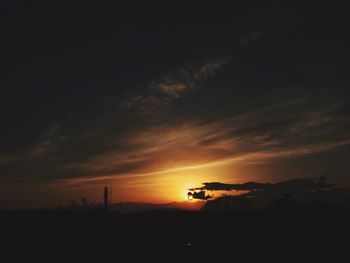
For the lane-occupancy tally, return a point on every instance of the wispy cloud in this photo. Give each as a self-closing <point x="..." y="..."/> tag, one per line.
<point x="45" y="145"/>
<point x="258" y="136"/>
<point x="160" y="93"/>
<point x="6" y="158"/>
<point x="269" y="19"/>
<point x="247" y="138"/>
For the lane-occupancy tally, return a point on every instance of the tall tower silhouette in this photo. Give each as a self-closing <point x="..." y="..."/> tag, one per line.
<point x="106" y="197"/>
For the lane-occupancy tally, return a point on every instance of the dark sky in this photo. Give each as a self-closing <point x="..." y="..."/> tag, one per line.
<point x="157" y="99"/>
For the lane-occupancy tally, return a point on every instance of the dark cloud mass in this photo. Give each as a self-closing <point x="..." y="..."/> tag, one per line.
<point x="292" y="186"/>
<point x="254" y="92"/>
<point x="267" y="194"/>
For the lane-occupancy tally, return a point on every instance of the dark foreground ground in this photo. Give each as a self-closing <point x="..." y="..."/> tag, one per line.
<point x="295" y="233"/>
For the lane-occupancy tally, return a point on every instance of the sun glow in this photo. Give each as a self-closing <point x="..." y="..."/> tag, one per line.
<point x="169" y="185"/>
<point x="189" y="196"/>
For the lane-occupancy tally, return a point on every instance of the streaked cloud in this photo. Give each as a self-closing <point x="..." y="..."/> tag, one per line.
<point x="248" y="138"/>
<point x="160" y="93"/>
<point x="45" y="145"/>
<point x="6" y="158"/>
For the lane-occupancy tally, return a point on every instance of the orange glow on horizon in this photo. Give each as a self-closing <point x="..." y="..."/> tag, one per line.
<point x="166" y="184"/>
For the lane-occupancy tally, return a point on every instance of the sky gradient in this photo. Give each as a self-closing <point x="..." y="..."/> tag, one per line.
<point x="159" y="100"/>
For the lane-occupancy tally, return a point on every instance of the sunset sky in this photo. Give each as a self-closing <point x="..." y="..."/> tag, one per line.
<point x="160" y="100"/>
